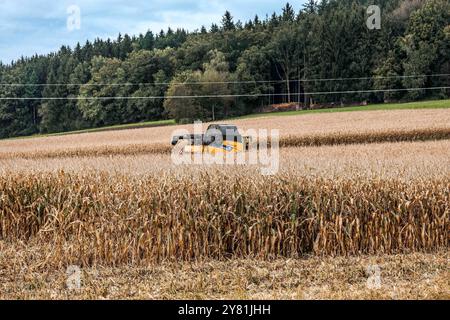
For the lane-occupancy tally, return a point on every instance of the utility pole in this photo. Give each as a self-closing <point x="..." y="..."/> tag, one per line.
<point x="298" y="81"/>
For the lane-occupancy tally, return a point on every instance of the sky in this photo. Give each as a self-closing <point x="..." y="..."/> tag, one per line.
<point x="41" y="26"/>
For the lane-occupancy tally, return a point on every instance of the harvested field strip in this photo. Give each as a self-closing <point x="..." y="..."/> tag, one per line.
<point x="406" y="276"/>
<point x="406" y="161"/>
<point x="117" y="220"/>
<point x="288" y="141"/>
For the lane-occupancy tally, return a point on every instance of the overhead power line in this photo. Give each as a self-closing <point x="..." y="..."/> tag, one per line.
<point x="219" y="96"/>
<point x="218" y="82"/>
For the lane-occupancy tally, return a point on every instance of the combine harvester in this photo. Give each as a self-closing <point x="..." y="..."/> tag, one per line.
<point x="218" y="138"/>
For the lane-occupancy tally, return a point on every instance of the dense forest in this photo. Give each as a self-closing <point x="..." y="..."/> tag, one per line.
<point x="323" y="55"/>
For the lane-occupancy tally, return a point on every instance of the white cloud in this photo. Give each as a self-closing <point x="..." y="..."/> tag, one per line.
<point x="39" y="26"/>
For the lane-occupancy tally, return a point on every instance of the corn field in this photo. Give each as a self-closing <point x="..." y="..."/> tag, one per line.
<point x="317" y="126"/>
<point x="107" y="220"/>
<point x="366" y="183"/>
<point x="338" y="138"/>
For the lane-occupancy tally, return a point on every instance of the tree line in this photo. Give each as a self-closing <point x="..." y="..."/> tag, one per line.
<point x="308" y="58"/>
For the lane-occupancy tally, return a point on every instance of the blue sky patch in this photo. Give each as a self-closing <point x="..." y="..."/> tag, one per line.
<point x="40" y="26"/>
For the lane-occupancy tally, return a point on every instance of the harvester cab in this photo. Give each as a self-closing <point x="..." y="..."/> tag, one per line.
<point x="218" y="138"/>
